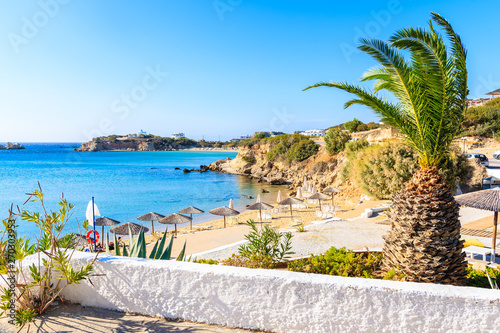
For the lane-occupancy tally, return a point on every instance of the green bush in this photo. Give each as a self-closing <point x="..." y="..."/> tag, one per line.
<point x="207" y="261"/>
<point x="477" y="278"/>
<point x="260" y="135"/>
<point x="381" y="170"/>
<point x="483" y="120"/>
<point x="248" y="158"/>
<point x="339" y="262"/>
<point x="335" y="140"/>
<point x="352" y="147"/>
<point x="352" y="125"/>
<point x="291" y="148"/>
<point x="265" y="249"/>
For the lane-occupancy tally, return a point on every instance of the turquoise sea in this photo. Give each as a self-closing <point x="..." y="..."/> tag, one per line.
<point x="124" y="185"/>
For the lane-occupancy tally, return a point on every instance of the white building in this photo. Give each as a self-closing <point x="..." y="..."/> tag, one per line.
<point x="178" y="135"/>
<point x="314" y="132"/>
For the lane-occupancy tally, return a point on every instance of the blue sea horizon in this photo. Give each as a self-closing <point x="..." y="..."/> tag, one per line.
<point x="124" y="185"/>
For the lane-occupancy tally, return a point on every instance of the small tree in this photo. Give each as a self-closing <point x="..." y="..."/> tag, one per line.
<point x="352" y="126"/>
<point x="335" y="140"/>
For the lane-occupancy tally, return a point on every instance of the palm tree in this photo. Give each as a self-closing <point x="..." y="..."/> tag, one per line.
<point x="430" y="90"/>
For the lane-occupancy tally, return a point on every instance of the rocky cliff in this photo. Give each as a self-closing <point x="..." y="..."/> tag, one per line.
<point x="322" y="169"/>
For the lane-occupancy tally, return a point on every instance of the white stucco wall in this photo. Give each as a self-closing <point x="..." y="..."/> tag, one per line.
<point x="281" y="301"/>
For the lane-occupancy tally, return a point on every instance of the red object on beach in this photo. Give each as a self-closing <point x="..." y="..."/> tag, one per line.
<point x="96" y="237"/>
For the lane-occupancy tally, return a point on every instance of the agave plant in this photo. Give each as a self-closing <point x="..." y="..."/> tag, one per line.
<point x="138" y="247"/>
<point x="430" y="90"/>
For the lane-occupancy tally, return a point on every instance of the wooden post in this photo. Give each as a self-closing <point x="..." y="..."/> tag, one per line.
<point x="494" y="239"/>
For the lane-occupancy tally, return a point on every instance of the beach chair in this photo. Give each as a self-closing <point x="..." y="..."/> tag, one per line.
<point x="234" y="220"/>
<point x="294" y="222"/>
<point x="267" y="216"/>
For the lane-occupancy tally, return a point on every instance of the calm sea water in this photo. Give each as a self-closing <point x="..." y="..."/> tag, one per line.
<point x="124" y="185"/>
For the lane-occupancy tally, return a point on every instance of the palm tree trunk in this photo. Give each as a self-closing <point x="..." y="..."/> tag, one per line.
<point x="424" y="241"/>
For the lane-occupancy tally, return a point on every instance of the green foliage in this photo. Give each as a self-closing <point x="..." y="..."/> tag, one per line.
<point x="381" y="170"/>
<point x="352" y="147"/>
<point x="291" y="148"/>
<point x="394" y="275"/>
<point x="428" y="81"/>
<point x="207" y="261"/>
<point x="352" y="126"/>
<point x="335" y="140"/>
<point x="266" y="248"/>
<point x="340" y="262"/>
<point x="260" y="135"/>
<point x="42" y="285"/>
<point x="482" y="120"/>
<point x="483" y="279"/>
<point x="248" y="158"/>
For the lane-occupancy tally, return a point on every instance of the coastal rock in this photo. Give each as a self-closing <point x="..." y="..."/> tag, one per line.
<point x="177" y="168"/>
<point x="186" y="170"/>
<point x="146" y="146"/>
<point x="265" y="191"/>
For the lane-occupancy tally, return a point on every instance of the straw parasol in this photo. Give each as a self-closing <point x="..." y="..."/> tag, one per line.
<point x="331" y="190"/>
<point x="231" y="204"/>
<point x="280" y="197"/>
<point x="191" y="210"/>
<point x="299" y="192"/>
<point x="486" y="200"/>
<point x="122" y="229"/>
<point x="224" y="211"/>
<point x="175" y="219"/>
<point x="105" y="221"/>
<point x="290" y="201"/>
<point x="319" y="196"/>
<point x="151" y="217"/>
<point x="260" y="206"/>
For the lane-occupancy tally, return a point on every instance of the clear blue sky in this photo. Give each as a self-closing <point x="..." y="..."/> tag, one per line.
<point x="71" y="70"/>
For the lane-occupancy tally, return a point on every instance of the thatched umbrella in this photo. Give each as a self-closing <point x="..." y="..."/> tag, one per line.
<point x="331" y="190"/>
<point x="105" y="221"/>
<point x="191" y="210"/>
<point x="175" y="219"/>
<point x="224" y="211"/>
<point x="122" y="229"/>
<point x="319" y="196"/>
<point x="290" y="201"/>
<point x="151" y="217"/>
<point x="486" y="200"/>
<point x="260" y="206"/>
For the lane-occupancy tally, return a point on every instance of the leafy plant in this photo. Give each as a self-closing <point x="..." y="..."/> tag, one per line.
<point x="352" y="126"/>
<point x="489" y="278"/>
<point x="335" y="140"/>
<point x="290" y="148"/>
<point x="248" y="158"/>
<point x="35" y="286"/>
<point x="207" y="261"/>
<point x="301" y="228"/>
<point x="340" y="262"/>
<point x="266" y="248"/>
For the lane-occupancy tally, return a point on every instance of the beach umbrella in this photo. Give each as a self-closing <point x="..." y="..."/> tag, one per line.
<point x="486" y="200"/>
<point x="151" y="217"/>
<point x="280" y="197"/>
<point x="314" y="190"/>
<point x="309" y="187"/>
<point x="258" y="198"/>
<point x="105" y="221"/>
<point x="191" y="210"/>
<point x="319" y="196"/>
<point x="175" y="219"/>
<point x="290" y="201"/>
<point x="122" y="229"/>
<point x="331" y="190"/>
<point x="231" y="204"/>
<point x="224" y="211"/>
<point x="260" y="206"/>
<point x="299" y="192"/>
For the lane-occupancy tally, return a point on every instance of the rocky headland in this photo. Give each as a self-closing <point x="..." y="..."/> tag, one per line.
<point x="11" y="145"/>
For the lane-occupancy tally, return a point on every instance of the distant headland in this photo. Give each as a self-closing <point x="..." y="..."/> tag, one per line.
<point x="11" y="145"/>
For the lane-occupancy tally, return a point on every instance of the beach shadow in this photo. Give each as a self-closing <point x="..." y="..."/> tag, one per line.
<point x="74" y="318"/>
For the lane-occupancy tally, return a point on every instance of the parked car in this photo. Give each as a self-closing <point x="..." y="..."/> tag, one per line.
<point x="482" y="158"/>
<point x="496" y="155"/>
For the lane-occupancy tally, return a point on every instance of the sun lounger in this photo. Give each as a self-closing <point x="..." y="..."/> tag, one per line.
<point x="472" y="250"/>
